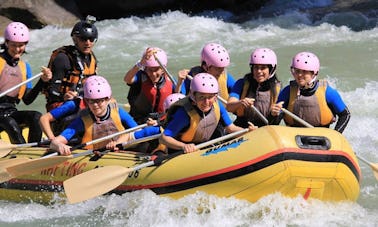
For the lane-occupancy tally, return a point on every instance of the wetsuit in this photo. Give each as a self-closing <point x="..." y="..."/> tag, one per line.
<point x="314" y="105"/>
<point x="12" y="120"/>
<point x="265" y="94"/>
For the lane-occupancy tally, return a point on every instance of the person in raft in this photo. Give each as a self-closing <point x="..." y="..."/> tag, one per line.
<point x="193" y="119"/>
<point x="70" y="66"/>
<point x="214" y="60"/>
<point x="149" y="85"/>
<point x="101" y="118"/>
<point x="311" y="99"/>
<point x="155" y="127"/>
<point x="14" y="71"/>
<point x="259" y="88"/>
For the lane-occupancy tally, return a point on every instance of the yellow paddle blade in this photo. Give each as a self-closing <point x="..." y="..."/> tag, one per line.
<point x="374" y="167"/>
<point x="5" y="148"/>
<point x="95" y="182"/>
<point x="36" y="165"/>
<point x="13" y="161"/>
<point x="4" y="174"/>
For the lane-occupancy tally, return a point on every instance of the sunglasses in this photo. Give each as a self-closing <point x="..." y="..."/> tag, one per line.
<point x="98" y="101"/>
<point x="84" y="39"/>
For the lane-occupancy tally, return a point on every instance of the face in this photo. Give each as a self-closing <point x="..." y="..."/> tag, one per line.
<point x="260" y="73"/>
<point x="302" y="77"/>
<point x="205" y="101"/>
<point x="215" y="71"/>
<point x="15" y="49"/>
<point x="98" y="106"/>
<point x="154" y="73"/>
<point x="84" y="45"/>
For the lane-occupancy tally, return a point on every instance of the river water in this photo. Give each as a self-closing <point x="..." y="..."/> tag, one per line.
<point x="349" y="60"/>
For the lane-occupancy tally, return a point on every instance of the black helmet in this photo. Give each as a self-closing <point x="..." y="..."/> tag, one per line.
<point x="85" y="29"/>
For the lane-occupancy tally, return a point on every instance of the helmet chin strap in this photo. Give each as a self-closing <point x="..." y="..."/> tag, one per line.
<point x="273" y="73"/>
<point x="311" y="83"/>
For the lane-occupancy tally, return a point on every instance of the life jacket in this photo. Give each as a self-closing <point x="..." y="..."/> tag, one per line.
<point x="201" y="128"/>
<point x="223" y="89"/>
<point x="313" y="108"/>
<point x="150" y="98"/>
<point x="263" y="101"/>
<point x="74" y="79"/>
<point x="95" y="130"/>
<point x="11" y="76"/>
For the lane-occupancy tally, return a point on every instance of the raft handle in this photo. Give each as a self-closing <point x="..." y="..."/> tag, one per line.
<point x="313" y="142"/>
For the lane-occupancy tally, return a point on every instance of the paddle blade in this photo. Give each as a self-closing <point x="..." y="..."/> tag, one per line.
<point x="4" y="174"/>
<point x="5" y="148"/>
<point x="374" y="167"/>
<point x="94" y="183"/>
<point x="35" y="165"/>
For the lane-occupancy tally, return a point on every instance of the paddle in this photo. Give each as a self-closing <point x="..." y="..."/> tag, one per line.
<point x="20" y="84"/>
<point x="98" y="181"/>
<point x="34" y="165"/>
<point x="6" y="148"/>
<point x="165" y="69"/>
<point x="373" y="166"/>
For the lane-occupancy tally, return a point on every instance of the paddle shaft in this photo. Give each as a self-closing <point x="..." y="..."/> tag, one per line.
<point x="5" y="149"/>
<point x="20" y="84"/>
<point x="165" y="69"/>
<point x="298" y="119"/>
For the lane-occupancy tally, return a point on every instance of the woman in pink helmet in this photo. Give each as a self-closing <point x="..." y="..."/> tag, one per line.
<point x="311" y="99"/>
<point x="149" y="85"/>
<point x="214" y="60"/>
<point x="195" y="118"/>
<point x="13" y="71"/>
<point x="101" y="118"/>
<point x="259" y="88"/>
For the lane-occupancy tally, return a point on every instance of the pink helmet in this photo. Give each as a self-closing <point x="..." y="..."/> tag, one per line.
<point x="17" y="32"/>
<point x="204" y="83"/>
<point x="263" y="56"/>
<point x="172" y="98"/>
<point x="97" y="87"/>
<point x="161" y="55"/>
<point x="306" y="61"/>
<point x="215" y="55"/>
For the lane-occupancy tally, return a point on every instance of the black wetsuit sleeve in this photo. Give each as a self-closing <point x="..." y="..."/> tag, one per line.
<point x="343" y="119"/>
<point x="31" y="94"/>
<point x="59" y="67"/>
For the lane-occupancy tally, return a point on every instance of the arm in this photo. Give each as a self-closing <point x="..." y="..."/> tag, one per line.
<point x="59" y="143"/>
<point x="338" y="107"/>
<point x="182" y="74"/>
<point x="59" y="67"/>
<point x="31" y="94"/>
<point x="276" y="115"/>
<point x="234" y="102"/>
<point x="44" y="122"/>
<point x="230" y="82"/>
<point x="126" y="119"/>
<point x="180" y="121"/>
<point x="129" y="77"/>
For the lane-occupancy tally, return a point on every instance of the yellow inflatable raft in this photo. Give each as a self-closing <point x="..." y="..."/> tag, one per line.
<point x="313" y="162"/>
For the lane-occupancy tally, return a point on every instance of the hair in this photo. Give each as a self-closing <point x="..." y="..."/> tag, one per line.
<point x="271" y="82"/>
